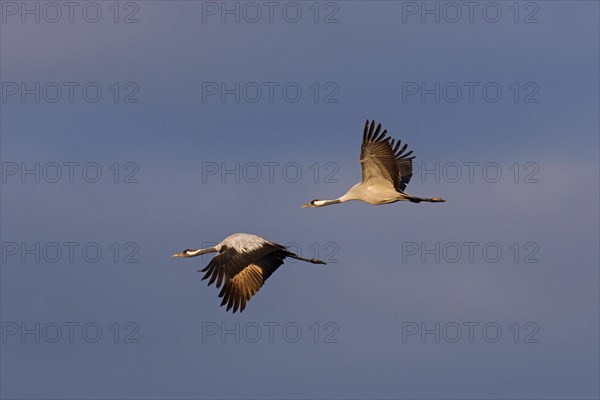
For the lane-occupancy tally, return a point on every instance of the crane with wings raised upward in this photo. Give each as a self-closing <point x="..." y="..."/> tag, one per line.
<point x="386" y="170"/>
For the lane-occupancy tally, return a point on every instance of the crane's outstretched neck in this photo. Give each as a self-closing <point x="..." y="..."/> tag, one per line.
<point x="321" y="203"/>
<point x="195" y="253"/>
<point x="350" y="195"/>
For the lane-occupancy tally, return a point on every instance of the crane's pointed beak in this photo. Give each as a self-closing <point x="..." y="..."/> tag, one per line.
<point x="306" y="205"/>
<point x="177" y="255"/>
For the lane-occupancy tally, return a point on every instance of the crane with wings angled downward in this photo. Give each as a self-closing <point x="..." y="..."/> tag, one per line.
<point x="242" y="265"/>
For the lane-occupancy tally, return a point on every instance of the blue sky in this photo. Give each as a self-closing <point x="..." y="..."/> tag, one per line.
<point x="383" y="277"/>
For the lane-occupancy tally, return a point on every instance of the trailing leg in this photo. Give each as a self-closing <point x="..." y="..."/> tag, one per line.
<point x="415" y="199"/>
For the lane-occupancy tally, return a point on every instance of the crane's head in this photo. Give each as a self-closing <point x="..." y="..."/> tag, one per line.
<point x="184" y="254"/>
<point x="314" y="203"/>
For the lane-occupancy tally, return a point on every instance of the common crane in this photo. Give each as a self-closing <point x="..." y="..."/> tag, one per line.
<point x="386" y="170"/>
<point x="243" y="264"/>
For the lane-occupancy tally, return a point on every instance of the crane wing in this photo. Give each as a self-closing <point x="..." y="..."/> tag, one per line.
<point x="243" y="271"/>
<point x="232" y="260"/>
<point x="240" y="289"/>
<point x="382" y="160"/>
